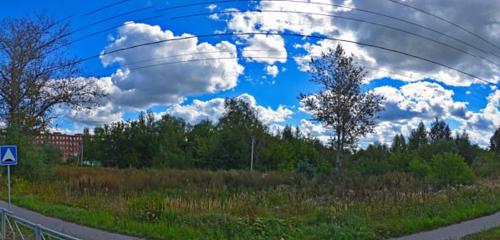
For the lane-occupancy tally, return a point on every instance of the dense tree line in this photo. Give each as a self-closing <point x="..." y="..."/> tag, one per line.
<point x="431" y="153"/>
<point x="171" y="142"/>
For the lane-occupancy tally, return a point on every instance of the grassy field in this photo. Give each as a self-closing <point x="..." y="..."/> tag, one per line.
<point x="199" y="204"/>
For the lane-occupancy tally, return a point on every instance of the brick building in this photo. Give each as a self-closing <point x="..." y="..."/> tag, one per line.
<point x="70" y="145"/>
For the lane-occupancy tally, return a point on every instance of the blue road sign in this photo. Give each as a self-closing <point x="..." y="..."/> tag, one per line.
<point x="8" y="155"/>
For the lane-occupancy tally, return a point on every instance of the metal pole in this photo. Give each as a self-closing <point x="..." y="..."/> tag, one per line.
<point x="8" y="176"/>
<point x="251" y="155"/>
<point x="38" y="232"/>
<point x="4" y="225"/>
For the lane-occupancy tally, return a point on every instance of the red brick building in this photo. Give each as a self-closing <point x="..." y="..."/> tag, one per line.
<point x="70" y="145"/>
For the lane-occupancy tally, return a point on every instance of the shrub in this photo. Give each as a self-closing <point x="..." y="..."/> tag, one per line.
<point x="419" y="167"/>
<point x="486" y="164"/>
<point x="306" y="168"/>
<point x="450" y="169"/>
<point x="31" y="165"/>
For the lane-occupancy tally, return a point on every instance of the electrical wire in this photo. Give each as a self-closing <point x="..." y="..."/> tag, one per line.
<point x="334" y="5"/>
<point x="251" y="58"/>
<point x="446" y="21"/>
<point x="105" y="7"/>
<point x="344" y="18"/>
<point x="290" y="35"/>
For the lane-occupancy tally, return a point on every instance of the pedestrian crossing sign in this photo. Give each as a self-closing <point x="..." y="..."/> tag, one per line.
<point x="8" y="155"/>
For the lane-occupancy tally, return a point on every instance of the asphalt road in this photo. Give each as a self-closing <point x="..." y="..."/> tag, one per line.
<point x="457" y="231"/>
<point x="68" y="228"/>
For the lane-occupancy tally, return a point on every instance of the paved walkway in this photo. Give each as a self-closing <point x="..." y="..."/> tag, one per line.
<point x="459" y="230"/>
<point x="68" y="228"/>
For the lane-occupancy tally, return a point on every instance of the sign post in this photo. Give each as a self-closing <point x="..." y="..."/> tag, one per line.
<point x="8" y="157"/>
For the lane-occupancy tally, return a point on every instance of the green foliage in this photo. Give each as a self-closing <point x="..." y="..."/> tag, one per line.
<point x="487" y="164"/>
<point x="465" y="148"/>
<point x="419" y="167"/>
<point x="52" y="154"/>
<point x="418" y="137"/>
<point x="495" y="141"/>
<point x="201" y="204"/>
<point x="439" y="131"/>
<point x="32" y="161"/>
<point x="450" y="169"/>
<point x="439" y="146"/>
<point x="172" y="143"/>
<point x="398" y="143"/>
<point x="306" y="168"/>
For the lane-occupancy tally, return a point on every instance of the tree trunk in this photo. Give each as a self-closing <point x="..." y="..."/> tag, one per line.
<point x="338" y="162"/>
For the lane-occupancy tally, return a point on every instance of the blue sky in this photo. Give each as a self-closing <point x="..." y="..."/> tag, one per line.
<point x="415" y="90"/>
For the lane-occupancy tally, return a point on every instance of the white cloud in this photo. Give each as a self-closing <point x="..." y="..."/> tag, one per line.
<point x="199" y="110"/>
<point x="167" y="84"/>
<point x="211" y="7"/>
<point x="379" y="62"/>
<point x="265" y="48"/>
<point x="420" y="99"/>
<point x="483" y="124"/>
<point x="272" y="70"/>
<point x="213" y="109"/>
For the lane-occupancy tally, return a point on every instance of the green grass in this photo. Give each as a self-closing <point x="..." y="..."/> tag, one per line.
<point x="492" y="234"/>
<point x="195" y="204"/>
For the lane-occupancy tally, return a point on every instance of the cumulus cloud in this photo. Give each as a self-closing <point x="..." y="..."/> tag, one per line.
<point x="144" y="83"/>
<point x="483" y="124"/>
<point x="214" y="109"/>
<point x="160" y="74"/>
<point x="198" y="110"/>
<point x="420" y="99"/>
<point x="272" y="70"/>
<point x="481" y="18"/>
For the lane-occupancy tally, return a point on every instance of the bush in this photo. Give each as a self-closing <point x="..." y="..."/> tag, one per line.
<point x="31" y="165"/>
<point x="486" y="164"/>
<point x="450" y="169"/>
<point x="306" y="168"/>
<point x="419" y="167"/>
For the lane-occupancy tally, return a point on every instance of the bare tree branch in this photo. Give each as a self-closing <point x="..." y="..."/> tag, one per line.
<point x="36" y="74"/>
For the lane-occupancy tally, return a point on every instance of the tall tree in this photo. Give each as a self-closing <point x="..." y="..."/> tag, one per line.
<point x="418" y="137"/>
<point x="465" y="148"/>
<point x="340" y="104"/>
<point x="237" y="128"/>
<point x="36" y="74"/>
<point x="398" y="143"/>
<point x="439" y="130"/>
<point x="495" y="141"/>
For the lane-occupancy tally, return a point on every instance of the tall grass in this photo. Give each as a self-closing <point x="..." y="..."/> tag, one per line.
<point x="200" y="204"/>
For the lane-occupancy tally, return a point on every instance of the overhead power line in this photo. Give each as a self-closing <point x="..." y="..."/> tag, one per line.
<point x="159" y="64"/>
<point x="105" y="7"/>
<point x="180" y="6"/>
<point x="344" y="18"/>
<point x="286" y="34"/>
<point x="114" y="27"/>
<point x="92" y="11"/>
<point x="446" y="21"/>
<point x="109" y="18"/>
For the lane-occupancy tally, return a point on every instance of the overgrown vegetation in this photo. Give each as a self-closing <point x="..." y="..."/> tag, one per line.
<point x="235" y="204"/>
